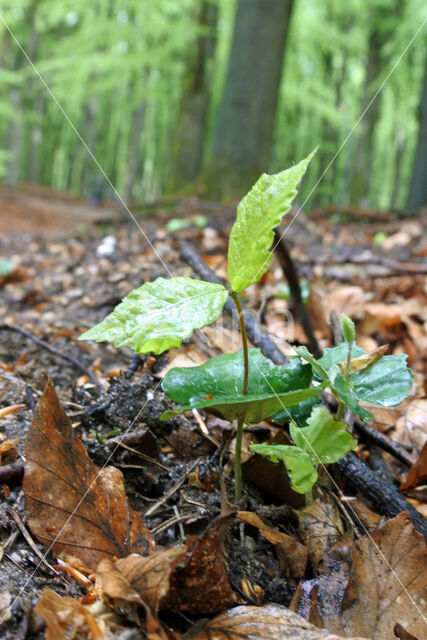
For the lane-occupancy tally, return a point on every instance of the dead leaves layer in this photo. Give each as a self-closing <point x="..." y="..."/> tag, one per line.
<point x="72" y="505"/>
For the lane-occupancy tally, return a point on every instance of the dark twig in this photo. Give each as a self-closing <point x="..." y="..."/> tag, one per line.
<point x="384" y="442"/>
<point x="298" y="306"/>
<point x="11" y="473"/>
<point x="30" y="397"/>
<point x="256" y="335"/>
<point x="384" y="497"/>
<point x="56" y="352"/>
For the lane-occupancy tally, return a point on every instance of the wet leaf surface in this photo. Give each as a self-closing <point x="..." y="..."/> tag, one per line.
<point x="387" y="582"/>
<point x="199" y="584"/>
<point x="72" y="505"/>
<point x="270" y="622"/>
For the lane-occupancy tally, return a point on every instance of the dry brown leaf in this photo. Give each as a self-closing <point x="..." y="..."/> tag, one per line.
<point x="412" y="427"/>
<point x="320" y="527"/>
<point x="417" y="473"/>
<point x="12" y="408"/>
<point x="139" y="579"/>
<point x="66" y="617"/>
<point x="199" y="584"/>
<point x="292" y="555"/>
<point x="71" y="505"/>
<point x="319" y="600"/>
<point x="271" y="622"/>
<point x="387" y="582"/>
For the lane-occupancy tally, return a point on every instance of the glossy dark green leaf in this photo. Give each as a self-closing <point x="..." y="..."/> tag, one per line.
<point x="299" y="466"/>
<point x="160" y="314"/>
<point x="216" y="386"/>
<point x="325" y="439"/>
<point x="299" y="413"/>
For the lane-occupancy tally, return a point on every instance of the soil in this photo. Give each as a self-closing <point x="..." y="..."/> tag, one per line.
<point x="57" y="289"/>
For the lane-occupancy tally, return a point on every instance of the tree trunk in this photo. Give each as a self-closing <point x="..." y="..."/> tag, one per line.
<point x="190" y="135"/>
<point x="134" y="154"/>
<point x="363" y="157"/>
<point x="244" y="130"/>
<point x="417" y="197"/>
<point x="384" y="22"/>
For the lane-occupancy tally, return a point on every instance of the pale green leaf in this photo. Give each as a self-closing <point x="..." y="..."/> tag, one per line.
<point x="298" y="464"/>
<point x="325" y="439"/>
<point x="258" y="214"/>
<point x="160" y="314"/>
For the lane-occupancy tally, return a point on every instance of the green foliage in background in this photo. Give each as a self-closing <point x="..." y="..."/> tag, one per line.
<point x="118" y="68"/>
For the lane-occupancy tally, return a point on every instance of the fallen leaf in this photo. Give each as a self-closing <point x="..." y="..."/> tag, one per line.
<point x="387" y="582"/>
<point x="292" y="555"/>
<point x="320" y="526"/>
<point x="66" y="617"/>
<point x="199" y="584"/>
<point x="401" y="633"/>
<point x="12" y="408"/>
<point x="412" y="427"/>
<point x="417" y="473"/>
<point x="139" y="579"/>
<point x="271" y="622"/>
<point x="72" y="505"/>
<point x="320" y="600"/>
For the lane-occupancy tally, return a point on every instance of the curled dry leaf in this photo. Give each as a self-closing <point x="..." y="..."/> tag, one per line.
<point x="271" y="622"/>
<point x="387" y="582"/>
<point x="292" y="555"/>
<point x="139" y="579"/>
<point x="320" y="526"/>
<point x="66" y="617"/>
<point x="199" y="584"/>
<point x="418" y="472"/>
<point x="72" y="505"/>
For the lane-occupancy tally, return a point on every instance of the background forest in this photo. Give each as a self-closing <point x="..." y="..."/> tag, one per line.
<point x="203" y="95"/>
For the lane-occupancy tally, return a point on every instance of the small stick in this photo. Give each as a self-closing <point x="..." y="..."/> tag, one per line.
<point x="172" y="490"/>
<point x="11" y="473"/>
<point x="291" y="275"/>
<point x="56" y="352"/>
<point x="29" y="539"/>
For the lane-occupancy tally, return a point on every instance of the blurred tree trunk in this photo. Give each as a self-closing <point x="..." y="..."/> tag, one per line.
<point x="383" y="23"/>
<point x="134" y="164"/>
<point x="35" y="139"/>
<point x="243" y="135"/>
<point x="191" y="130"/>
<point x="417" y="197"/>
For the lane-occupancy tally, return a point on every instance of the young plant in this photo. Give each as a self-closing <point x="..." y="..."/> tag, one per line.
<point x="243" y="386"/>
<point x="369" y="377"/>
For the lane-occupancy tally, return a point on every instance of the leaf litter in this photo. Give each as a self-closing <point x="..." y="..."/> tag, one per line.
<point x="347" y="586"/>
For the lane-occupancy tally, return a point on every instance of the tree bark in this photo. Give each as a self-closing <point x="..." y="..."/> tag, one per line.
<point x="243" y="135"/>
<point x="417" y="197"/>
<point x="191" y="130"/>
<point x="384" y="22"/>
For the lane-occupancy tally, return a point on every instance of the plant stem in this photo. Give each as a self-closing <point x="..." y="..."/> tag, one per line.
<point x="340" y="411"/>
<point x="236" y="300"/>
<point x="341" y="406"/>
<point x="238" y="462"/>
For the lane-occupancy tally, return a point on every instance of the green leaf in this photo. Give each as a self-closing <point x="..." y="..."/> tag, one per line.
<point x="160" y="314"/>
<point x="386" y="382"/>
<point x="217" y="387"/>
<point x="331" y="358"/>
<point x="298" y="464"/>
<point x="305" y="354"/>
<point x="260" y="211"/>
<point x="299" y="413"/>
<point x="346" y="394"/>
<point x="325" y="439"/>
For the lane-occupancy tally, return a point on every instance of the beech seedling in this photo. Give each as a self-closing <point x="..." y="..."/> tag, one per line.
<point x="245" y="386"/>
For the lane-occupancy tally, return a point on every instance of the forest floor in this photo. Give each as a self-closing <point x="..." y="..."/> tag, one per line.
<point x="249" y="571"/>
